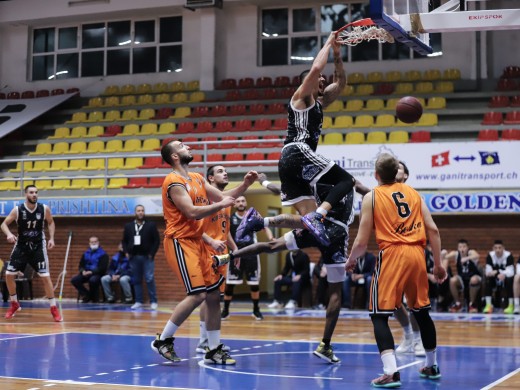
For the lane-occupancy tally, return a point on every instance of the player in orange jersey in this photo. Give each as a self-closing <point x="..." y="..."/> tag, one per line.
<point x="187" y="199"/>
<point x="401" y="221"/>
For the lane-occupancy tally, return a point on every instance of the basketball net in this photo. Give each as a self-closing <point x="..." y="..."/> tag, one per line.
<point x="362" y="30"/>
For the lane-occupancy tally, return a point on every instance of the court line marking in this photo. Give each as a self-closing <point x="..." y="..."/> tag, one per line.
<point x="33" y="335"/>
<point x="505" y="377"/>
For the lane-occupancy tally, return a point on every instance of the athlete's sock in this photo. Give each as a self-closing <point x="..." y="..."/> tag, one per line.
<point x="169" y="330"/>
<point x="322" y="211"/>
<point x="52" y="301"/>
<point x="213" y="338"/>
<point x="431" y="358"/>
<point x="14" y="298"/>
<point x="203" y="332"/>
<point x="389" y="363"/>
<point x="227" y="302"/>
<point x="488" y="300"/>
<point x="255" y="305"/>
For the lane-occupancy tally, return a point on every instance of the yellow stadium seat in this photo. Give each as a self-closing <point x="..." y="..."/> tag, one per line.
<point x="336" y="105"/>
<point x="444" y="87"/>
<point x="151" y="144"/>
<point x="148" y="129"/>
<point x="95" y="147"/>
<point x="79" y="184"/>
<point x="61" y="132"/>
<point x="145" y="99"/>
<point x="77" y="147"/>
<point x="95" y="102"/>
<point x="436" y="103"/>
<point x="166" y="128"/>
<point x="112" y="115"/>
<point x="355" y="137"/>
<point x="162" y="98"/>
<point x="182" y="112"/>
<point x="132" y="145"/>
<point x="375" y="77"/>
<point x="130" y="129"/>
<point x="197" y="97"/>
<point x="376" y="137"/>
<point x="111" y="101"/>
<point x="180" y="97"/>
<point x="40" y="166"/>
<point x="363" y="121"/>
<point x="9" y="185"/>
<point x="342" y="122"/>
<point x="95" y="131"/>
<point x="354" y="105"/>
<point x="327" y="122"/>
<point x="398" y="137"/>
<point x="147" y="113"/>
<point x="364" y="90"/>
<point x="193" y="85"/>
<point x="400" y="123"/>
<point x="424" y="87"/>
<point x="412" y="75"/>
<point x="451" y="74"/>
<point x="95" y="116"/>
<point x="428" y="119"/>
<point x="355" y="78"/>
<point x="61" y="184"/>
<point x="117" y="182"/>
<point x="128" y="89"/>
<point x="95" y="164"/>
<point x="60" y="148"/>
<point x="160" y="87"/>
<point x="133" y="162"/>
<point x="116" y="163"/>
<point x="432" y="75"/>
<point x="403" y="89"/>
<point x="78" y="117"/>
<point x="347" y="91"/>
<point x="114" y="146"/>
<point x="393" y="76"/>
<point x="96" y="184"/>
<point x="44" y="184"/>
<point x="42" y="149"/>
<point x="144" y="88"/>
<point x="375" y="105"/>
<point x="129" y="115"/>
<point x="333" y="139"/>
<point x="78" y="132"/>
<point x="77" y="165"/>
<point x="128" y="100"/>
<point x="384" y="120"/>
<point x="26" y="165"/>
<point x="391" y="104"/>
<point x="111" y="90"/>
<point x="177" y="86"/>
<point x="59" y="165"/>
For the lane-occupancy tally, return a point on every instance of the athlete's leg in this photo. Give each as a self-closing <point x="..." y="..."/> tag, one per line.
<point x="342" y="183"/>
<point x="333" y="309"/>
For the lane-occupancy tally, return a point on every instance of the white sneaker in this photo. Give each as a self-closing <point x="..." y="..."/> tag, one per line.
<point x="406" y="345"/>
<point x="418" y="348"/>
<point x="154" y="306"/>
<point x="136" y="306"/>
<point x="290" y="305"/>
<point x="274" y="305"/>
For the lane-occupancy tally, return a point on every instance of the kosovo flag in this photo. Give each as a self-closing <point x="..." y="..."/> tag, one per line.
<point x="489" y="158"/>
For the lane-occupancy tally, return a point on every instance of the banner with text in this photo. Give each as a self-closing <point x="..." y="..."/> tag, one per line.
<point x="446" y="165"/>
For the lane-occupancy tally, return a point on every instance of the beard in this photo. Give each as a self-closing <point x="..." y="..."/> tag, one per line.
<point x="185" y="160"/>
<point x="32" y="201"/>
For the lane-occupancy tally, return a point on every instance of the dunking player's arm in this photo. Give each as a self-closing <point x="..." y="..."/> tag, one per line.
<point x="333" y="90"/>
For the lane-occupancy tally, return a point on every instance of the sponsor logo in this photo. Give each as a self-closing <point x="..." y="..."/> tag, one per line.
<point x="485" y="17"/>
<point x="441" y="159"/>
<point x="309" y="171"/>
<point x="489" y="158"/>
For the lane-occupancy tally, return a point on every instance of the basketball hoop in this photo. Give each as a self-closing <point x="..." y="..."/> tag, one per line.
<point x="362" y="30"/>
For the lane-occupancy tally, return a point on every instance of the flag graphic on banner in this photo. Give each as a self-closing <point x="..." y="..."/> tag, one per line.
<point x="489" y="158"/>
<point x="441" y="159"/>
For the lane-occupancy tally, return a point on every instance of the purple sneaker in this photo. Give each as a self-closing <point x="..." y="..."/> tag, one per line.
<point x="251" y="222"/>
<point x="313" y="222"/>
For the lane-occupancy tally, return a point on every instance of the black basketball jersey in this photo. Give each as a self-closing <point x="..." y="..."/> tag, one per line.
<point x="235" y="221"/>
<point x="305" y="125"/>
<point x="30" y="223"/>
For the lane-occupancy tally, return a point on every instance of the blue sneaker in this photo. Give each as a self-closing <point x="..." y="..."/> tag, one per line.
<point x="313" y="222"/>
<point x="251" y="222"/>
<point x="432" y="372"/>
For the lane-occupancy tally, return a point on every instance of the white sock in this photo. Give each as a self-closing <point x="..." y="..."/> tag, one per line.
<point x="213" y="338"/>
<point x="169" y="330"/>
<point x="203" y="332"/>
<point x="510" y="301"/>
<point x="14" y="298"/>
<point x="322" y="211"/>
<point x="517" y="302"/>
<point x="266" y="221"/>
<point x="407" y="331"/>
<point x="488" y="300"/>
<point x="417" y="336"/>
<point x="431" y="358"/>
<point x="389" y="363"/>
<point x="52" y="301"/>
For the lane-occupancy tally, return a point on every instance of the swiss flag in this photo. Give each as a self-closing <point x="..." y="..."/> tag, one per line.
<point x="441" y="159"/>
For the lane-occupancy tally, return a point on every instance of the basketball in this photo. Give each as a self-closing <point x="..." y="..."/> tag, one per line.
<point x="409" y="109"/>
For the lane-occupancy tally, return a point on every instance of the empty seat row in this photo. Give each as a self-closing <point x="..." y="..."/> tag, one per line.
<point x="511" y="72"/>
<point x="131" y="100"/>
<point x="130" y="89"/>
<point x="261" y="82"/>
<point x="496" y="118"/>
<point x="36" y="94"/>
<point x="354" y="105"/>
<point x="383" y="120"/>
<point x="113" y="115"/>
<point x="240" y="125"/>
<point x="375" y="137"/>
<point x="65" y="184"/>
<point x="97" y="146"/>
<point x="228" y="142"/>
<point x="259" y="94"/>
<point x="239" y="109"/>
<point x="408" y="76"/>
<point x="504" y="101"/>
<point x="493" y="135"/>
<point x="507" y="85"/>
<point x="425" y="87"/>
<point x="93" y="164"/>
<point x="127" y="130"/>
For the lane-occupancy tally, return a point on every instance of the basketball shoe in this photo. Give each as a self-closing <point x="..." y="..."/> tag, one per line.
<point x="218" y="356"/>
<point x="326" y="353"/>
<point x="432" y="372"/>
<point x="257" y="315"/>
<point x="15" y="306"/>
<point x="251" y="222"/>
<point x="406" y="345"/>
<point x="165" y="348"/>
<point x="488" y="309"/>
<point x="314" y="224"/>
<point x="56" y="314"/>
<point x="203" y="347"/>
<point x="387" y="380"/>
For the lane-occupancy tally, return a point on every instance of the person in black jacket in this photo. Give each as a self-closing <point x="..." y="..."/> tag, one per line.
<point x="92" y="267"/>
<point x="295" y="273"/>
<point x="140" y="243"/>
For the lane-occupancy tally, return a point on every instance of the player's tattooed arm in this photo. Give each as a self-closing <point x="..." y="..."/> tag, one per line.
<point x="286" y="220"/>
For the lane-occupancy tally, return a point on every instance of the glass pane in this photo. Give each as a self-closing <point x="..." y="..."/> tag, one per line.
<point x="93" y="35"/>
<point x="43" y="67"/>
<point x="435" y="43"/>
<point x="359" y="11"/>
<point x="43" y="40"/>
<point x="118" y="62"/>
<point x="67" y="66"/>
<point x="304" y="20"/>
<point x="144" y="31"/>
<point x="171" y="29"/>
<point x="275" y="22"/>
<point x="274" y="51"/>
<point x="144" y="60"/>
<point x="365" y="51"/>
<point x="92" y="63"/>
<point x="333" y="17"/>
<point x="68" y="38"/>
<point x="170" y="58"/>
<point x="395" y="51"/>
<point x="118" y="33"/>
<point x="303" y="50"/>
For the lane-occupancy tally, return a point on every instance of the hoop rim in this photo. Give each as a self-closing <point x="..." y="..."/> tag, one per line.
<point x="356" y="23"/>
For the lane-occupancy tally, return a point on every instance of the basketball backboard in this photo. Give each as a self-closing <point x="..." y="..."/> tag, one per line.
<point x="410" y="21"/>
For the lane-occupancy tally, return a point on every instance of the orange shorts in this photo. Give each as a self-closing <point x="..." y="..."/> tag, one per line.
<point x="400" y="269"/>
<point x="191" y="262"/>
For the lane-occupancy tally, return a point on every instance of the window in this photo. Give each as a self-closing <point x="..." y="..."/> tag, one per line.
<point x="107" y="48"/>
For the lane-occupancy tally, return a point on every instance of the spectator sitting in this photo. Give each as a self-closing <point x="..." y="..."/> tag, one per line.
<point x="362" y="276"/>
<point x="92" y="266"/>
<point x="118" y="271"/>
<point x="295" y="274"/>
<point x="500" y="272"/>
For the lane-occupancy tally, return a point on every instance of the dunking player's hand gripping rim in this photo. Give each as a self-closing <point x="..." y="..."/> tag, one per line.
<point x="362" y="30"/>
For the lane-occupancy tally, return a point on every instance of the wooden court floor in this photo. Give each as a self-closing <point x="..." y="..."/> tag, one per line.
<point x="34" y="356"/>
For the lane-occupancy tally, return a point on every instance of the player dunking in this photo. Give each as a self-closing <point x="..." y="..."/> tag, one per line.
<point x="30" y="247"/>
<point x="300" y="167"/>
<point x="401" y="221"/>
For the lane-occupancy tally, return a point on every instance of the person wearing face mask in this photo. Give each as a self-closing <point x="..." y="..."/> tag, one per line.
<point x="92" y="267"/>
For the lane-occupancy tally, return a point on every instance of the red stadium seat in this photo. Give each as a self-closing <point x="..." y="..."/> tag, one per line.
<point x="384" y="89"/>
<point x="13" y="95"/>
<point x="492" y="118"/>
<point x="286" y="93"/>
<point x="224" y="126"/>
<point x="111" y="131"/>
<point x="280" y="124"/>
<point x="256" y="156"/>
<point x="73" y="90"/>
<point x="228" y="145"/>
<point x="506" y="85"/>
<point x="28" y="95"/>
<point x="256" y="109"/>
<point x="3" y="95"/>
<point x="186" y="127"/>
<point x="163" y="113"/>
<point x="488" y="135"/>
<point x="211" y="145"/>
<point x="155" y="182"/>
<point x="262" y="124"/>
<point x="251" y="94"/>
<point x="228" y="84"/>
<point x="152" y="163"/>
<point x="215" y="157"/>
<point x="246" y="82"/>
<point x="511" y="72"/>
<point x="276" y="108"/>
<point x="234" y="157"/>
<point x="200" y="111"/>
<point x="295" y="81"/>
<point x="218" y="111"/>
<point x="248" y="144"/>
<point x="282" y="81"/>
<point x="269" y="93"/>
<point x="275" y="156"/>
<point x="243" y="125"/>
<point x="192" y="142"/>
<point x="512" y="118"/>
<point x="136" y="182"/>
<point x="515" y="101"/>
<point x="232" y="95"/>
<point x="511" y="135"/>
<point x="277" y="142"/>
<point x="237" y="109"/>
<point x="205" y="127"/>
<point x="42" y="93"/>
<point x="57" y="91"/>
<point x="498" y="101"/>
<point x="420" y="136"/>
<point x="264" y="82"/>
